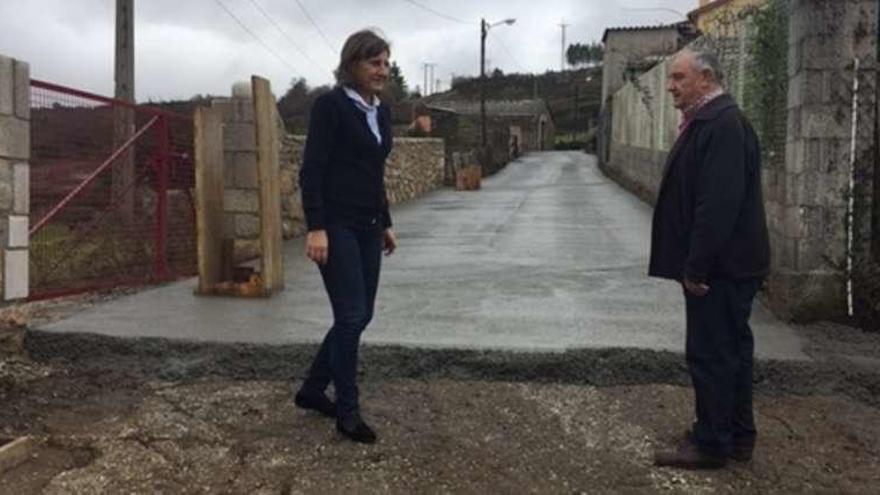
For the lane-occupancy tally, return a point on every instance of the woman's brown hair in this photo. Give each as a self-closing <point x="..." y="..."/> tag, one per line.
<point x="360" y="46"/>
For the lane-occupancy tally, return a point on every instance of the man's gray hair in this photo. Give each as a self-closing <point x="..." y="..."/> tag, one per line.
<point x="706" y="60"/>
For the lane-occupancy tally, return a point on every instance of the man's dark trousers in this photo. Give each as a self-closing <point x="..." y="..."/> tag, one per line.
<point x="351" y="278"/>
<point x="719" y="354"/>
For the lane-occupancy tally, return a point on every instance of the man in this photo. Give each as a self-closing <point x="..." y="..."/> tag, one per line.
<point x="710" y="235"/>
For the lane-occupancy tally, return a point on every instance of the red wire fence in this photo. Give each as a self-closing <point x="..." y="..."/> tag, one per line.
<point x="110" y="194"/>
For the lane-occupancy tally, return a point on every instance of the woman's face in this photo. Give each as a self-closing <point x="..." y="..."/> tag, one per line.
<point x="371" y="75"/>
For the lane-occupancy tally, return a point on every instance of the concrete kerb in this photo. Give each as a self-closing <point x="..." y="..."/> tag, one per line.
<point x="174" y="360"/>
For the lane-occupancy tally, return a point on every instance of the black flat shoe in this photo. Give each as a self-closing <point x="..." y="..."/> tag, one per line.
<point x="315" y="401"/>
<point x="354" y="428"/>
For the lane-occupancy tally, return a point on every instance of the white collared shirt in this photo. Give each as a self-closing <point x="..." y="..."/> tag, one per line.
<point x="370" y="110"/>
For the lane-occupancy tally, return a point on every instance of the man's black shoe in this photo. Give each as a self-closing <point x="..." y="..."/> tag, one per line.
<point x="742" y="448"/>
<point x="316" y="401"/>
<point x="354" y="428"/>
<point x="688" y="457"/>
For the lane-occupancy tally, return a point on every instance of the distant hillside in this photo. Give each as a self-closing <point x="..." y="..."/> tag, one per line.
<point x="558" y="89"/>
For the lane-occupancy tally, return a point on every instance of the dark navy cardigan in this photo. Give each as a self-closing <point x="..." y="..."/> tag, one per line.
<point x="343" y="171"/>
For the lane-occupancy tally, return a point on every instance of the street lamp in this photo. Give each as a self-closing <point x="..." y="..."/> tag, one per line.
<point x="484" y="31"/>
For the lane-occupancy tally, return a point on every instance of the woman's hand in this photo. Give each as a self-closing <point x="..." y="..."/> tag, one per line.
<point x="317" y="246"/>
<point x="389" y="242"/>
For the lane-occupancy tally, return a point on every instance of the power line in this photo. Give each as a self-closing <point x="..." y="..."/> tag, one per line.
<point x="435" y="12"/>
<point x="315" y="24"/>
<point x="286" y="36"/>
<point x="260" y="40"/>
<point x="508" y="52"/>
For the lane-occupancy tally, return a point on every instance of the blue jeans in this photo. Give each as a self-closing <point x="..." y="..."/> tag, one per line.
<point x="719" y="354"/>
<point x="351" y="277"/>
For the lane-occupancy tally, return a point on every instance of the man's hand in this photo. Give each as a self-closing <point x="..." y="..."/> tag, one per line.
<point x="696" y="288"/>
<point x="389" y="242"/>
<point x="317" y="246"/>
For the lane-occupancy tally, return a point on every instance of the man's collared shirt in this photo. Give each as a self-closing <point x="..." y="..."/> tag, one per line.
<point x="370" y="110"/>
<point x="691" y="111"/>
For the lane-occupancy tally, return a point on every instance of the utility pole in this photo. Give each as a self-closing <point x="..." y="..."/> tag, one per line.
<point x="123" y="172"/>
<point x="484" y="29"/>
<point x="563" y="25"/>
<point x="433" y="86"/>
<point x="576" y="98"/>
<point x="428" y="69"/>
<point x="425" y="70"/>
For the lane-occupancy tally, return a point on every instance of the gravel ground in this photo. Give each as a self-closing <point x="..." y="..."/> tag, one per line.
<point x="436" y="436"/>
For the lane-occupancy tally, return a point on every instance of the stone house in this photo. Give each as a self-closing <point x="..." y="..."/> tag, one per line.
<point x="530" y="120"/>
<point x="631" y="51"/>
<point x="513" y="128"/>
<point x="719" y="18"/>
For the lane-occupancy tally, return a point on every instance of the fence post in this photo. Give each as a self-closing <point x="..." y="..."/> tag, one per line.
<point x="14" y="177"/>
<point x="267" y="145"/>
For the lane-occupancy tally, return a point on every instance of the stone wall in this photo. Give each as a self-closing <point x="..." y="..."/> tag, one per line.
<point x="241" y="198"/>
<point x="414" y="167"/>
<point x="445" y="125"/>
<point x="14" y="177"/>
<point x="643" y="130"/>
<point x="293" y="219"/>
<point x="496" y="154"/>
<point x="809" y="224"/>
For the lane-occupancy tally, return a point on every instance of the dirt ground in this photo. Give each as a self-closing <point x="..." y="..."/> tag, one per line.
<point x="148" y="416"/>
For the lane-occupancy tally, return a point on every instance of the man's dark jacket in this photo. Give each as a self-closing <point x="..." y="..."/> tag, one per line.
<point x="343" y="169"/>
<point x="709" y="220"/>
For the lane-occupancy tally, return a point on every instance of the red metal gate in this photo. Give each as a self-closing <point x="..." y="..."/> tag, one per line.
<point x="107" y="208"/>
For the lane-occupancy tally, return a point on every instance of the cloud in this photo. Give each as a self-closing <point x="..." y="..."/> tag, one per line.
<point x="194" y="47"/>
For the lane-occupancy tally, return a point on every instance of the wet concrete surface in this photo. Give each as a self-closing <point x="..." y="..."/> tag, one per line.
<point x="549" y="256"/>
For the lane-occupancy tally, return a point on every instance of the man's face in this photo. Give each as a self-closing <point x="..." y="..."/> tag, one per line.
<point x="685" y="82"/>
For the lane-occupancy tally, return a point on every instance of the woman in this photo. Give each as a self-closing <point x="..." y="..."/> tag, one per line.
<point x="346" y="209"/>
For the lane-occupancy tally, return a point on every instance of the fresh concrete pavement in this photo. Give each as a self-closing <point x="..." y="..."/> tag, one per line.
<point x="550" y="255"/>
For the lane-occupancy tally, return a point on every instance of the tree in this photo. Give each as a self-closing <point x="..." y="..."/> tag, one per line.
<point x="497" y="73"/>
<point x="296" y="103"/>
<point x="590" y="54"/>
<point x="294" y="99"/>
<point x="396" y="83"/>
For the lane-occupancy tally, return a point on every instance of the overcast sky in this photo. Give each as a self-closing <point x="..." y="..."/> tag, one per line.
<point x="188" y="47"/>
